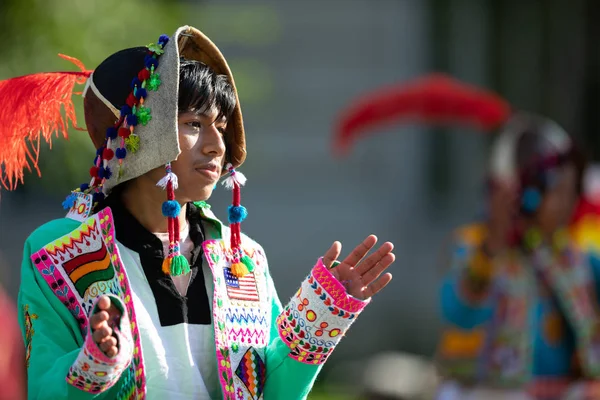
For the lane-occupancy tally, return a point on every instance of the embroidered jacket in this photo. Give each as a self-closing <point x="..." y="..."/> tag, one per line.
<point x="537" y="316"/>
<point x="263" y="350"/>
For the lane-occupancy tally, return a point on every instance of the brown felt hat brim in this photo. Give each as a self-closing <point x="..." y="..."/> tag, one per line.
<point x="194" y="45"/>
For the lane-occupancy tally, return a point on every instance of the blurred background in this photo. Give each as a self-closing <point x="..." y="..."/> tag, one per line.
<point x="296" y="65"/>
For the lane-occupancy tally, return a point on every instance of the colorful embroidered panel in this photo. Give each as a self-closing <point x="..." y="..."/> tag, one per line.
<point x="80" y="267"/>
<point x="252" y="371"/>
<point x="242" y="318"/>
<point x="93" y="371"/>
<point x="82" y="207"/>
<point x="317" y="317"/>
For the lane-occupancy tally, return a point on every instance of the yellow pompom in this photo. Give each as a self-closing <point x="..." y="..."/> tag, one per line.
<point x="239" y="269"/>
<point x="166" y="266"/>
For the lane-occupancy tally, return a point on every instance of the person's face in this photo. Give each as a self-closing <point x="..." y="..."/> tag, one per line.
<point x="559" y="200"/>
<point x="200" y="163"/>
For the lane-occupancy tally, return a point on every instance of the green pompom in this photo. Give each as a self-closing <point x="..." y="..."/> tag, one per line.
<point x="154" y="82"/>
<point x="144" y="115"/>
<point x="179" y="266"/>
<point x="132" y="143"/>
<point x="247" y="261"/>
<point x="155" y="48"/>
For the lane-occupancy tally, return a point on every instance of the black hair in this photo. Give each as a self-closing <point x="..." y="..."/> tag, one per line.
<point x="201" y="89"/>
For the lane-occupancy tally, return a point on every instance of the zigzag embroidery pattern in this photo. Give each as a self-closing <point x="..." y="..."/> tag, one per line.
<point x="68" y="243"/>
<point x="247" y="334"/>
<point x="336" y="290"/>
<point x="246" y="318"/>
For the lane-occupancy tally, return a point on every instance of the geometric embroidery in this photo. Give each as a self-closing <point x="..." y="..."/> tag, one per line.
<point x="79" y="267"/>
<point x="316" y="318"/>
<point x="241" y="327"/>
<point x="252" y="371"/>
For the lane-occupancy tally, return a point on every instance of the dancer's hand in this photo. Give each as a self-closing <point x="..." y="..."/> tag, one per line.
<point x="362" y="278"/>
<point x="103" y="323"/>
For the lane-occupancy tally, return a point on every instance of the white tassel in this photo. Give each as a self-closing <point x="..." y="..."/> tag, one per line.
<point x="229" y="182"/>
<point x="239" y="178"/>
<point x="235" y="177"/>
<point x="170" y="177"/>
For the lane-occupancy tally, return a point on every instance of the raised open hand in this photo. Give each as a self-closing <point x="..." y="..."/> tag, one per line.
<point x="362" y="278"/>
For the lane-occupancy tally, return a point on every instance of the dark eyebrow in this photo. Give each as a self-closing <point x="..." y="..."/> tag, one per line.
<point x="202" y="113"/>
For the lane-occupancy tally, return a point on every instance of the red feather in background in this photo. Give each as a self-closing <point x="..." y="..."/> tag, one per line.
<point x="32" y="109"/>
<point x="433" y="99"/>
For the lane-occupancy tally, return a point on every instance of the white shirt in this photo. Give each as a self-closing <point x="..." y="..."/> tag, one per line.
<point x="180" y="360"/>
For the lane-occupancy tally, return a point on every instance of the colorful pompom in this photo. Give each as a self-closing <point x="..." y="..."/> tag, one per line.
<point x="248" y="262"/>
<point x="124" y="132"/>
<point x="179" y="266"/>
<point x="154" y="82"/>
<point x="237" y="214"/>
<point x="131" y="100"/>
<point x="84" y="186"/>
<point x="149" y="62"/>
<point x="143" y="115"/>
<point x="108" y="154"/>
<point x="104" y="173"/>
<point x="141" y="93"/>
<point x="171" y="208"/>
<point x="94" y="172"/>
<point x="132" y="143"/>
<point x="144" y="74"/>
<point x="125" y="110"/>
<point x="239" y="269"/>
<point x="156" y="49"/>
<point x="163" y="39"/>
<point x="132" y="120"/>
<point x="111" y="133"/>
<point x="135" y="82"/>
<point x="121" y="153"/>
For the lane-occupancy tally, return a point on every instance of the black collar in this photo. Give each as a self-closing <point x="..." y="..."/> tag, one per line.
<point x="134" y="236"/>
<point x="172" y="307"/>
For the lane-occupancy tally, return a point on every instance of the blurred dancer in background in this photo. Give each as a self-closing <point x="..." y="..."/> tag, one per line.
<point x="520" y="300"/>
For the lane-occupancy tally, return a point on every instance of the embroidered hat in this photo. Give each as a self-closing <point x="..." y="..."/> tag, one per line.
<point x="131" y="112"/>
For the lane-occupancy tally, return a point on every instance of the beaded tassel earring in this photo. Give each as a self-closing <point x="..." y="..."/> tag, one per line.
<point x="174" y="264"/>
<point x="241" y="263"/>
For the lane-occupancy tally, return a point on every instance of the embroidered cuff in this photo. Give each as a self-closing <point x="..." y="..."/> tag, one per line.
<point x="318" y="316"/>
<point x="95" y="372"/>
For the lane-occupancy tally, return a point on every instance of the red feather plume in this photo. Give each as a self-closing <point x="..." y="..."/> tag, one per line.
<point x="31" y="110"/>
<point x="433" y="99"/>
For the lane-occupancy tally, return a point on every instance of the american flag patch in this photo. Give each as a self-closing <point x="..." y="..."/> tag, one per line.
<point x="243" y="288"/>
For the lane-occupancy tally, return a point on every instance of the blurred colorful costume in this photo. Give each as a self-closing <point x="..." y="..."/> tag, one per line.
<point x="533" y="326"/>
<point x="229" y="337"/>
